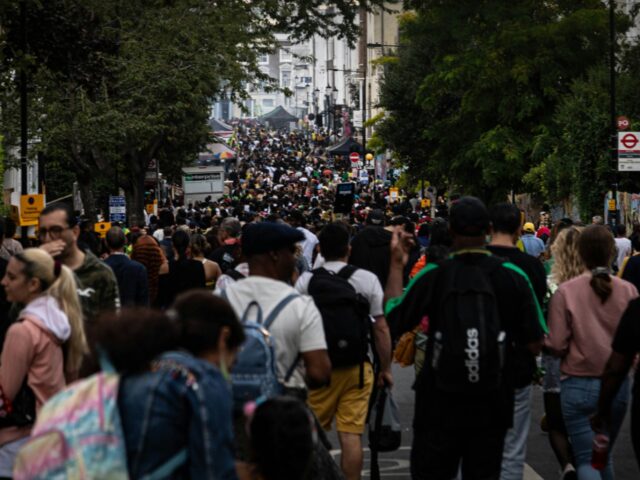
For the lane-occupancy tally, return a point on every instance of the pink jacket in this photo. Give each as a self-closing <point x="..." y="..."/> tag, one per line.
<point x="581" y="328"/>
<point x="32" y="351"/>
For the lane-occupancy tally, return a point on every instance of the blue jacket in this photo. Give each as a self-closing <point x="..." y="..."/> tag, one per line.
<point x="532" y="245"/>
<point x="133" y="282"/>
<point x="182" y="402"/>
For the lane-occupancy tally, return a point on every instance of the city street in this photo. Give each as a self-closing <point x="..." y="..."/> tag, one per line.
<point x="541" y="463"/>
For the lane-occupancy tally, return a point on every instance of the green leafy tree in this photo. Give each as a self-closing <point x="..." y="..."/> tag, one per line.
<point x="115" y="85"/>
<point x="490" y="77"/>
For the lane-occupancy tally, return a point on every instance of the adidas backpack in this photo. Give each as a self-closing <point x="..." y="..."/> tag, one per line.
<point x="345" y="316"/>
<point x="255" y="373"/>
<point x="78" y="435"/>
<point x="467" y="339"/>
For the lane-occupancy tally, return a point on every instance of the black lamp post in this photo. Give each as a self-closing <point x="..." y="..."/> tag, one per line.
<point x="328" y="105"/>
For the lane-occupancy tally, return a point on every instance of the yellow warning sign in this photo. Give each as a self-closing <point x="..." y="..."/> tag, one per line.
<point x="30" y="208"/>
<point x="102" y="228"/>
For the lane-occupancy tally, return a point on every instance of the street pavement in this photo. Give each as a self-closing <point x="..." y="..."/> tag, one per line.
<point x="541" y="463"/>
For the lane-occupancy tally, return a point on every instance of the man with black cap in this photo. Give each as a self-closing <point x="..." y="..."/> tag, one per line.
<point x="297" y="330"/>
<point x="477" y="307"/>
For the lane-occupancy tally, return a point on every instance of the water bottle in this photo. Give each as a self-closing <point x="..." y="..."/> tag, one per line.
<point x="600" y="451"/>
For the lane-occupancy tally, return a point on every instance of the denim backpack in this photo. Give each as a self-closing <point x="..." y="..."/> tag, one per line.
<point x="78" y="435"/>
<point x="255" y="374"/>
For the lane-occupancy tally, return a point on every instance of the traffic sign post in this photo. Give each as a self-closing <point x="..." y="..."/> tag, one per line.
<point x="117" y="208"/>
<point x="30" y="208"/>
<point x="628" y="151"/>
<point x="623" y="122"/>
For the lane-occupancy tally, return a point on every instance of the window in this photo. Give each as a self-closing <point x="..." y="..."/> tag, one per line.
<point x="285" y="79"/>
<point x="285" y="56"/>
<point x="267" y="102"/>
<point x="263" y="58"/>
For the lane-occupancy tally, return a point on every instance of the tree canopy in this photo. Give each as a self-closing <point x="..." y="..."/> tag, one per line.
<point x="116" y="84"/>
<point x="498" y="90"/>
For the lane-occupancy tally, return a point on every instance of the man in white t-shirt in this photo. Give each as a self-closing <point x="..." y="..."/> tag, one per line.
<point x="296" y="219"/>
<point x="347" y="397"/>
<point x="623" y="245"/>
<point x="297" y="330"/>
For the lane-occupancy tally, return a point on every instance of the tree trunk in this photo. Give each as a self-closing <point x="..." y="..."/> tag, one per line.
<point x="86" y="193"/>
<point x="135" y="193"/>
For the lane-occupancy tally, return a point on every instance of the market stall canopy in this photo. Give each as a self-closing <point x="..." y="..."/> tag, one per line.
<point x="214" y="153"/>
<point x="220" y="129"/>
<point x="345" y="146"/>
<point x="219" y="126"/>
<point x="278" y="118"/>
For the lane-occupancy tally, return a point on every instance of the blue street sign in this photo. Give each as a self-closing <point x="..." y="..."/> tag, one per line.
<point x="117" y="208"/>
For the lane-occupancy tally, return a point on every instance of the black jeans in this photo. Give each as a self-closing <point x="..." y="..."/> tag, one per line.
<point x="436" y="454"/>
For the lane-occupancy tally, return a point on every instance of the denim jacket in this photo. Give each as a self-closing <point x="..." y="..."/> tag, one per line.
<point x="182" y="402"/>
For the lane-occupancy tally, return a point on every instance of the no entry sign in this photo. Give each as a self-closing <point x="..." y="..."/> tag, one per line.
<point x="354" y="157"/>
<point x="623" y="122"/>
<point x="628" y="151"/>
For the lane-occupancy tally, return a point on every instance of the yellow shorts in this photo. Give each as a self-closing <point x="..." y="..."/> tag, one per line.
<point x="344" y="399"/>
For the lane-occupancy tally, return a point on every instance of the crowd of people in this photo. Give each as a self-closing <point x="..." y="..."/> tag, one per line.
<point x="241" y="329"/>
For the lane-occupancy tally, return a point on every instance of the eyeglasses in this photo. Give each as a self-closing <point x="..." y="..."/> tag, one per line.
<point x="54" y="232"/>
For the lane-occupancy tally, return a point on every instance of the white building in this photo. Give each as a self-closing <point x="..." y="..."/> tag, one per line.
<point x="325" y="77"/>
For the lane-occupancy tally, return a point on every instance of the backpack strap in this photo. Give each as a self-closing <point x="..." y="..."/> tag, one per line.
<point x="166" y="469"/>
<point x="277" y="309"/>
<point x="292" y="369"/>
<point x="245" y="315"/>
<point x="346" y="271"/>
<point x="236" y="275"/>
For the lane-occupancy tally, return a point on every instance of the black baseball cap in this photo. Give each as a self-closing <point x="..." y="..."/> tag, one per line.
<point x="375" y="217"/>
<point x="469" y="217"/>
<point x="266" y="237"/>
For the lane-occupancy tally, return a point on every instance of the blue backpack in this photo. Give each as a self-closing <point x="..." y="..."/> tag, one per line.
<point x="255" y="372"/>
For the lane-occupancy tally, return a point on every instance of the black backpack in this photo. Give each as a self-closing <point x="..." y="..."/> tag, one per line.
<point x="235" y="274"/>
<point x="467" y="339"/>
<point x="345" y="316"/>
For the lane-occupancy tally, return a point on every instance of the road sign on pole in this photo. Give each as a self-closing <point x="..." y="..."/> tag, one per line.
<point x="354" y="157"/>
<point x="629" y="151"/>
<point x="117" y="208"/>
<point x="623" y="122"/>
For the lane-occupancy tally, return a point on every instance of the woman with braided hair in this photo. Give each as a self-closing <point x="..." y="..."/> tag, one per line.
<point x="583" y="316"/>
<point x="42" y="350"/>
<point x="147" y="251"/>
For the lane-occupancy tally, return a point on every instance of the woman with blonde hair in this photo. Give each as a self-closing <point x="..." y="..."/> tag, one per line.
<point x="567" y="264"/>
<point x="42" y="350"/>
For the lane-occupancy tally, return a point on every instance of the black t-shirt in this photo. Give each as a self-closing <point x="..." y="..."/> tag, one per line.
<point x="627" y="338"/>
<point x="183" y="275"/>
<point x="225" y="257"/>
<point x="370" y="250"/>
<point x="631" y="271"/>
<point x="521" y="319"/>
<point x="525" y="361"/>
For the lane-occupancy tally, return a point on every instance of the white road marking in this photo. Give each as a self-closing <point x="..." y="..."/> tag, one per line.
<point x="389" y="466"/>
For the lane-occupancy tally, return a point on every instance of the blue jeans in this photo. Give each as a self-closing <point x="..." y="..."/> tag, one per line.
<point x="579" y="398"/>
<point x="515" y="443"/>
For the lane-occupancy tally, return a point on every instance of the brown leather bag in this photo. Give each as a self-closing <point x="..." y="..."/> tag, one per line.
<point x="405" y="351"/>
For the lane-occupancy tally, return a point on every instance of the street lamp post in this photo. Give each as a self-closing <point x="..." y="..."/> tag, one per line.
<point x="327" y="99"/>
<point x="612" y="106"/>
<point x="316" y="96"/>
